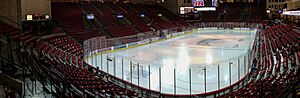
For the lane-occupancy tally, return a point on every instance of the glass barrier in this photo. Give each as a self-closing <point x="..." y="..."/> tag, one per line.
<point x="168" y="77"/>
<point x="174" y="80"/>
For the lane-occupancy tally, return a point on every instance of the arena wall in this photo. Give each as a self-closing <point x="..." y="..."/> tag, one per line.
<point x="35" y="7"/>
<point x="9" y="12"/>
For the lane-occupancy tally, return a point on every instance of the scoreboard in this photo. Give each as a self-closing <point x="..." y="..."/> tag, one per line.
<point x="205" y="3"/>
<point x="197" y="3"/>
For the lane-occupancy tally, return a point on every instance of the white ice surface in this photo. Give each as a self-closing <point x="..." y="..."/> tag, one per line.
<point x="196" y="51"/>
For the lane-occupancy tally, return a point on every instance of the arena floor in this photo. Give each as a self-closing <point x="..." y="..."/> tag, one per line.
<point x="197" y="54"/>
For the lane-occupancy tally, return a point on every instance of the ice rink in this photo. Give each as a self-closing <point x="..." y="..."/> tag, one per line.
<point x="192" y="59"/>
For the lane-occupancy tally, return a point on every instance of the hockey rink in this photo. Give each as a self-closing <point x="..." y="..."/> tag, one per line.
<point x="202" y="61"/>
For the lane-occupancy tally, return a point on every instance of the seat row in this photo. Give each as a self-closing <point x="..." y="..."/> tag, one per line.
<point x="67" y="44"/>
<point x="277" y="62"/>
<point x="53" y="60"/>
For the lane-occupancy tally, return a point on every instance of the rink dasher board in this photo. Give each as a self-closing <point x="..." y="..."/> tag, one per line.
<point x="222" y="29"/>
<point x="134" y="44"/>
